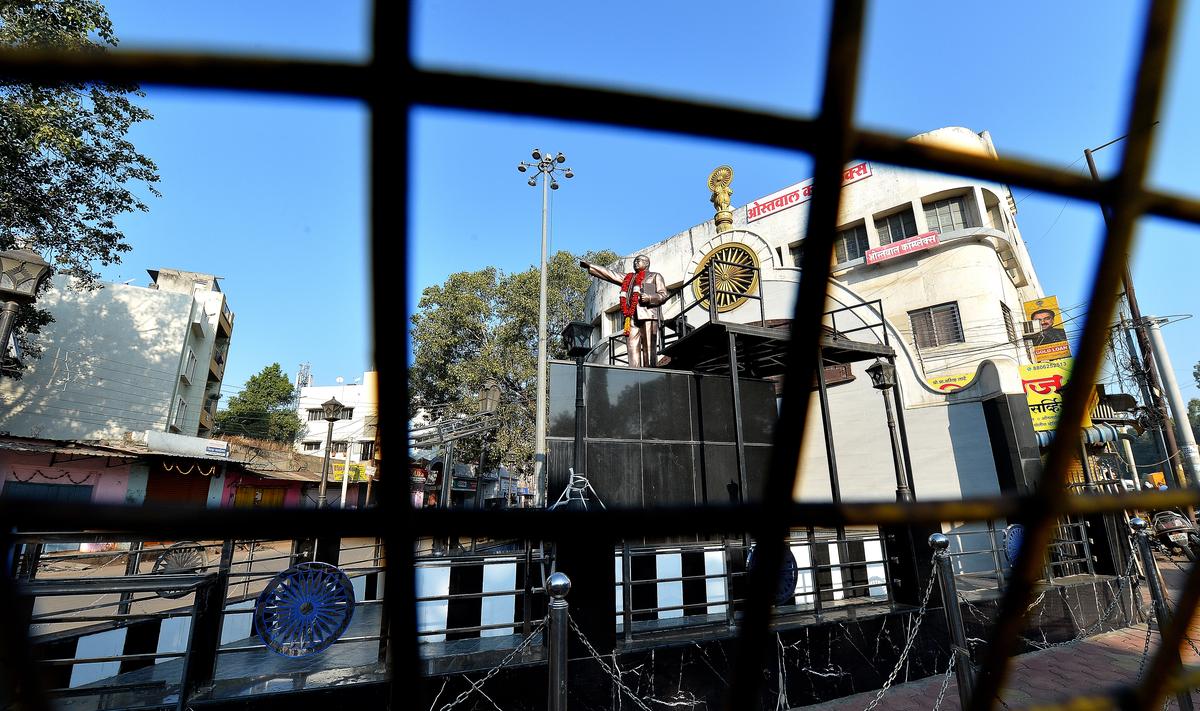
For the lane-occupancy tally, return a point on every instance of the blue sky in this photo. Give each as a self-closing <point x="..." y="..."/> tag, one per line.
<point x="271" y="194"/>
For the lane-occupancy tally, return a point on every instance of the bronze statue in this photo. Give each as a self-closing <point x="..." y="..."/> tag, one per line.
<point x="642" y="295"/>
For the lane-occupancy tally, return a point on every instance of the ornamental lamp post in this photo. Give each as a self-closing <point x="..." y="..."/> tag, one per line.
<point x="577" y="339"/>
<point x="883" y="379"/>
<point x="547" y="165"/>
<point x="489" y="402"/>
<point x="332" y="410"/>
<point x="22" y="272"/>
<point x="489" y="397"/>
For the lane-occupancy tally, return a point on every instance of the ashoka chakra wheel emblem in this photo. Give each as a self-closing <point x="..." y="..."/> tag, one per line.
<point x="735" y="270"/>
<point x="304" y="609"/>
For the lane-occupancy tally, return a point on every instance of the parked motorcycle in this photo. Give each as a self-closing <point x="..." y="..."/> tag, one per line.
<point x="1173" y="532"/>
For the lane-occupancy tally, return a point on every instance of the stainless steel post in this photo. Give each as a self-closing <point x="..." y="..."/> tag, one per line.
<point x="558" y="585"/>
<point x="940" y="544"/>
<point x="1188" y="454"/>
<point x="1161" y="611"/>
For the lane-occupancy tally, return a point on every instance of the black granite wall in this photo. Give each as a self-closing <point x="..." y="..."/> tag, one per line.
<point x="656" y="437"/>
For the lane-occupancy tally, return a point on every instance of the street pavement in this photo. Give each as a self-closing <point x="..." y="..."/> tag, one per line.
<point x="1090" y="666"/>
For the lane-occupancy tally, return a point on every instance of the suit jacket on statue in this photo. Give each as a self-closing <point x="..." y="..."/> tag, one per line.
<point x="654" y="291"/>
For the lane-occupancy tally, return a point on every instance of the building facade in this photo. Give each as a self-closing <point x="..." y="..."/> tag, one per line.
<point x="933" y="264"/>
<point x="357" y="428"/>
<point x="123" y="358"/>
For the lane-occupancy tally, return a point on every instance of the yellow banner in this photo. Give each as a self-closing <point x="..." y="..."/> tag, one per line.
<point x="950" y="383"/>
<point x="1050" y="343"/>
<point x="358" y="472"/>
<point x="1043" y="384"/>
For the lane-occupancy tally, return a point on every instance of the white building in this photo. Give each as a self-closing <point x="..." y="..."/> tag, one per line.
<point x="124" y="358"/>
<point x="357" y="428"/>
<point x="944" y="257"/>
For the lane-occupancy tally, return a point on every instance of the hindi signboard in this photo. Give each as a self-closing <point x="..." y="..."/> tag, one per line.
<point x="918" y="243"/>
<point x="358" y="472"/>
<point x="800" y="193"/>
<point x="1050" y="342"/>
<point x="1043" y="384"/>
<point x="950" y="383"/>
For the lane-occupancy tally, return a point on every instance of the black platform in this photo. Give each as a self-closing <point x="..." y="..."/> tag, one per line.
<point x="761" y="351"/>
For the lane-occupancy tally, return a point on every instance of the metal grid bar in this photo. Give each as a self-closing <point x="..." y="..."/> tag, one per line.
<point x="833" y="141"/>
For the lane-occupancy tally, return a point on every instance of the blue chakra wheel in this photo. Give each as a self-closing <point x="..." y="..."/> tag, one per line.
<point x="789" y="574"/>
<point x="304" y="609"/>
<point x="1014" y="533"/>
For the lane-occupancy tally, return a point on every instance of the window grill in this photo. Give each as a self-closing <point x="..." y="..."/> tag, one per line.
<point x="391" y="86"/>
<point x="896" y="226"/>
<point x="949" y="214"/>
<point x="936" y="326"/>
<point x="850" y="244"/>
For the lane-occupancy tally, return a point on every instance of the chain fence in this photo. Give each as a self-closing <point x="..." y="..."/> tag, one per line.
<point x="912" y="637"/>
<point x="478" y="685"/>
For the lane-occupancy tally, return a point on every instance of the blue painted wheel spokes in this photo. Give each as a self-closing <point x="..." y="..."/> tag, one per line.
<point x="304" y="609"/>
<point x="1014" y="534"/>
<point x="789" y="574"/>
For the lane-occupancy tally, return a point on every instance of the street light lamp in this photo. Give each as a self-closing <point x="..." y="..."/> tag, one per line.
<point x="883" y="379"/>
<point x="332" y="410"/>
<point x="547" y="165"/>
<point x="22" y="272"/>
<point x="489" y="397"/>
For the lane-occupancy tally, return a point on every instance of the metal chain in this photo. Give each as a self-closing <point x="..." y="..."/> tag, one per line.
<point x="1171" y="604"/>
<point x="1092" y="628"/>
<point x="604" y="665"/>
<point x="477" y="685"/>
<point x="1146" y="646"/>
<point x="946" y="679"/>
<point x="912" y="636"/>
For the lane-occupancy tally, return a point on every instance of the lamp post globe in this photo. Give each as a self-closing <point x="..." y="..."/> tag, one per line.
<point x="22" y="272"/>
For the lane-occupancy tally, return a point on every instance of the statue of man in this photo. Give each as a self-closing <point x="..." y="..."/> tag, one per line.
<point x="642" y="295"/>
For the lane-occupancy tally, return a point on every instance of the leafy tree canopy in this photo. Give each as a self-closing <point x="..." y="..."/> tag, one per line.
<point x="67" y="168"/>
<point x="482" y="325"/>
<point x="263" y="410"/>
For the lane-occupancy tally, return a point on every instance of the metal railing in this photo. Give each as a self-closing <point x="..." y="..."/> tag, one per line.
<point x="527" y="593"/>
<point x="131" y="583"/>
<point x="832" y="138"/>
<point x="829" y="574"/>
<point x="981" y="556"/>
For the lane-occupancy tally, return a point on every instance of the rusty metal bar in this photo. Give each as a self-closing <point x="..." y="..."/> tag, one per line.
<point x="803" y="358"/>
<point x="1046" y="507"/>
<point x="390" y="129"/>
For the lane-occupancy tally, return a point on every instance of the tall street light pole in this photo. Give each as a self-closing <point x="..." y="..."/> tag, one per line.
<point x="546" y="166"/>
<point x="332" y="410"/>
<point x="1153" y="386"/>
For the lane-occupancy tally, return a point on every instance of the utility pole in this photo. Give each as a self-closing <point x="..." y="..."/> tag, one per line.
<point x="1139" y="326"/>
<point x="1187" y="451"/>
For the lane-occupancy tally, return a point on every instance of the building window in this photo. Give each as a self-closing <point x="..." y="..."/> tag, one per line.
<point x="896" y="226"/>
<point x="1009" y="327"/>
<point x="936" y="326"/>
<point x="347" y="413"/>
<point x="797" y="251"/>
<point x="947" y="215"/>
<point x="190" y="369"/>
<point x="368" y="451"/>
<point x="315" y="414"/>
<point x="338" y="448"/>
<point x="311" y="446"/>
<point x="850" y="244"/>
<point x="180" y="413"/>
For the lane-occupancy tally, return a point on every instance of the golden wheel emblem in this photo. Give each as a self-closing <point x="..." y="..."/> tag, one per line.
<point x="736" y="274"/>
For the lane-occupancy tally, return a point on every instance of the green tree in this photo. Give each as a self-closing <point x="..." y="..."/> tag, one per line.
<point x="67" y="169"/>
<point x="482" y="325"/>
<point x="263" y="410"/>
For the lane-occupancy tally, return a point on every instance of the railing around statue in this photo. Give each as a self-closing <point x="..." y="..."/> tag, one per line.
<point x="868" y="315"/>
<point x="673" y="588"/>
<point x="673" y="329"/>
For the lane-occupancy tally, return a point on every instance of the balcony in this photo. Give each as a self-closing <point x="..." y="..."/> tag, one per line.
<point x="225" y="322"/>
<point x="206" y="419"/>
<point x="216" y="366"/>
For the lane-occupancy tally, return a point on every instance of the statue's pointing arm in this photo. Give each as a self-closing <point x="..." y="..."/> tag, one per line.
<point x="601" y="273"/>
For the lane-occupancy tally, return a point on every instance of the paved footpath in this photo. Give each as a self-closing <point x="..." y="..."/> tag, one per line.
<point x="1052" y="675"/>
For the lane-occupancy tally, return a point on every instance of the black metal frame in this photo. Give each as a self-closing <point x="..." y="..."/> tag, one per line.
<point x="390" y="85"/>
